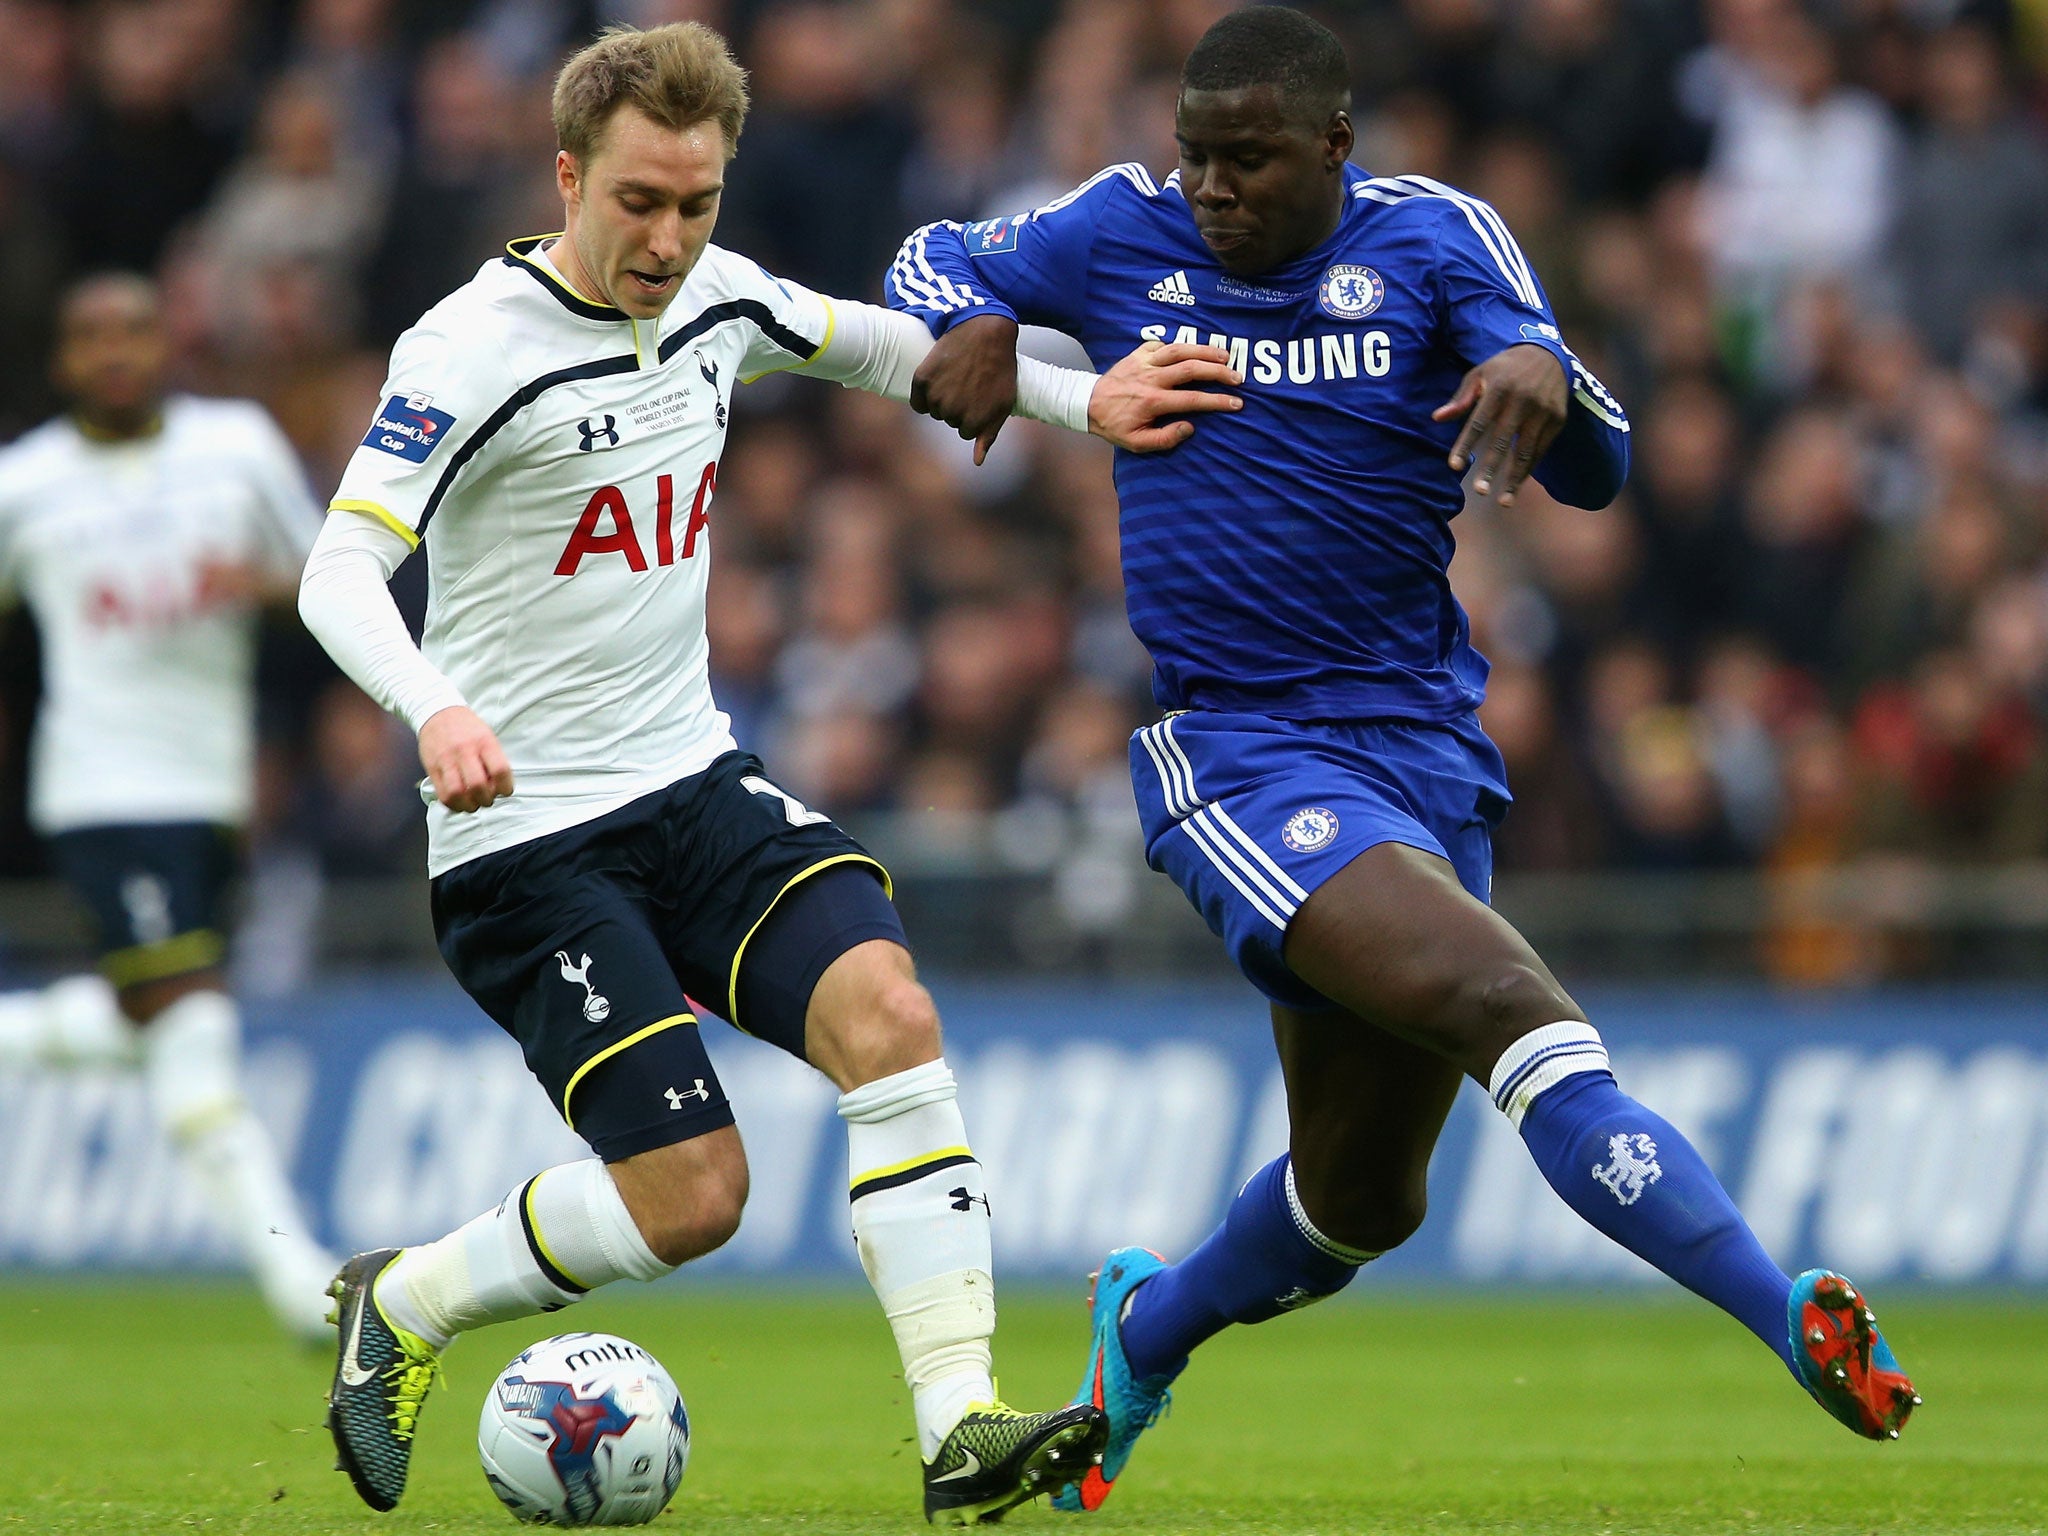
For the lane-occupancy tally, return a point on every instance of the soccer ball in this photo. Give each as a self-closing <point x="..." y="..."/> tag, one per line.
<point x="584" y="1429"/>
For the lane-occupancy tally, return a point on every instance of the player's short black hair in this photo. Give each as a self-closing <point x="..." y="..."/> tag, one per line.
<point x="1271" y="45"/>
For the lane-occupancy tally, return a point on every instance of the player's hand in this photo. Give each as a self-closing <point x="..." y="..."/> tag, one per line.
<point x="1156" y="381"/>
<point x="1514" y="406"/>
<point x="969" y="379"/>
<point x="462" y="756"/>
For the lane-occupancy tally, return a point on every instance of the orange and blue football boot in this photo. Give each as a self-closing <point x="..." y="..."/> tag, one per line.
<point x="1133" y="1403"/>
<point x="1843" y="1360"/>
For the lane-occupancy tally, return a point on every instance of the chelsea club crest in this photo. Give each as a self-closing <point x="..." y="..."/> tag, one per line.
<point x="1310" y="828"/>
<point x="1350" y="293"/>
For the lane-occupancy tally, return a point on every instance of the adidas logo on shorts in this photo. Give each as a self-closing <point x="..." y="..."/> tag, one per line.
<point x="1172" y="290"/>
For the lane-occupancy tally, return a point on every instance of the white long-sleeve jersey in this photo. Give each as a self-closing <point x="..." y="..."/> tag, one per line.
<point x="148" y="708"/>
<point x="559" y="460"/>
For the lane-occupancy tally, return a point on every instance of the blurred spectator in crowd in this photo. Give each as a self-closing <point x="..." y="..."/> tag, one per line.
<point x="851" y="653"/>
<point x="1972" y="226"/>
<point x="1799" y="181"/>
<point x="1684" y="478"/>
<point x="825" y="147"/>
<point x="1958" y="770"/>
<point x="463" y="188"/>
<point x="158" y="127"/>
<point x="359" y="810"/>
<point x="35" y="83"/>
<point x="353" y="48"/>
<point x="1808" y="941"/>
<point x="31" y="269"/>
<point x="1804" y="528"/>
<point x="1555" y="822"/>
<point x="302" y="198"/>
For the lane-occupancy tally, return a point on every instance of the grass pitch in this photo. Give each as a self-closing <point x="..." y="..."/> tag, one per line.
<point x="146" y="1407"/>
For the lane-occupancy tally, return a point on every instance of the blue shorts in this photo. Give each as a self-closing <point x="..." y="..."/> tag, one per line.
<point x="1250" y="814"/>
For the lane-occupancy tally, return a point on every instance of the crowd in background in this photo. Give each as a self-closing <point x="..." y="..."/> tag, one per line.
<point x="1806" y="246"/>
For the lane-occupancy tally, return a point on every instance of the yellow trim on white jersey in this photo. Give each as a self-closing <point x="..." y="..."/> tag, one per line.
<point x="536" y="247"/>
<point x="831" y="325"/>
<point x="383" y="515"/>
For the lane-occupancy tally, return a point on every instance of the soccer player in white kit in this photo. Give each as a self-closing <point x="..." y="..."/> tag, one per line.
<point x="142" y="529"/>
<point x="600" y="849"/>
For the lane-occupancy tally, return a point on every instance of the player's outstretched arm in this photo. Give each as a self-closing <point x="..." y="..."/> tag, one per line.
<point x="1530" y="407"/>
<point x="345" y="601"/>
<point x="969" y="381"/>
<point x="981" y="381"/>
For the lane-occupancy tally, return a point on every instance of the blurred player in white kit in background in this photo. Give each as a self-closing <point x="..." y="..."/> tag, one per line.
<point x="143" y="530"/>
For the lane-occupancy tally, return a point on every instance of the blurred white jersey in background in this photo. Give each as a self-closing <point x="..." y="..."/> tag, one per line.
<point x="133" y="557"/>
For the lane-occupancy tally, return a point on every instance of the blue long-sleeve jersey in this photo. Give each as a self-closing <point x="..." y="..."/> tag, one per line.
<point x="1291" y="558"/>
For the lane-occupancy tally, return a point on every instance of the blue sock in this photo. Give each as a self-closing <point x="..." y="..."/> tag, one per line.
<point x="1266" y="1258"/>
<point x="1629" y="1173"/>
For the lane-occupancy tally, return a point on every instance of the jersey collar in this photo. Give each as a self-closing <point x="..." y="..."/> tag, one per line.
<point x="525" y="253"/>
<point x="152" y="428"/>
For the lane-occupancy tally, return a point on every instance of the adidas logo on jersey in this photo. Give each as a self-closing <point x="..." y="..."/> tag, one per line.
<point x="1172" y="290"/>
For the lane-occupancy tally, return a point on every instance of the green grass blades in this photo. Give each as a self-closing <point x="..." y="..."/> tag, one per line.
<point x="173" y="1407"/>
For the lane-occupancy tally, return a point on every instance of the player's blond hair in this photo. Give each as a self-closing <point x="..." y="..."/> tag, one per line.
<point x="679" y="75"/>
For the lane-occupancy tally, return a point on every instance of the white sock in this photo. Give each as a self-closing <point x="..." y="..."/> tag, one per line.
<point x="920" y="1220"/>
<point x="558" y="1236"/>
<point x="1540" y="1060"/>
<point x="192" y="1070"/>
<point x="74" y="1020"/>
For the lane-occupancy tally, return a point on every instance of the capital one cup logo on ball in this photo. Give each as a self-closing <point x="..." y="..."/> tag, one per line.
<point x="584" y="1429"/>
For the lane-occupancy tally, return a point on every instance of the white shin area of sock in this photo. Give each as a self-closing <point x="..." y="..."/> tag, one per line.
<point x="920" y="1221"/>
<point x="193" y="1077"/>
<point x="561" y="1234"/>
<point x="74" y="1021"/>
<point x="1540" y="1060"/>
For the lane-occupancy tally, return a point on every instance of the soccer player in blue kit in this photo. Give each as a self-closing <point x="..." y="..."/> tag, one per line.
<point x="1320" y="787"/>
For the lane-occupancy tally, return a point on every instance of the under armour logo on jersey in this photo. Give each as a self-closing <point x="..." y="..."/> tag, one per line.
<point x="609" y="432"/>
<point x="596" y="1006"/>
<point x="1633" y="1169"/>
<point x="699" y="1093"/>
<point x="963" y="1201"/>
<point x="1172" y="289"/>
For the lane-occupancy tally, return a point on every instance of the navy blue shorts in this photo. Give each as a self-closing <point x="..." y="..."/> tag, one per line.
<point x="587" y="945"/>
<point x="157" y="893"/>
<point x="1250" y="814"/>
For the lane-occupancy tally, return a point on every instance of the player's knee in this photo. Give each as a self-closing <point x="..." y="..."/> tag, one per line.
<point x="700" y="1217"/>
<point x="897" y="1031"/>
<point x="1368" y="1218"/>
<point x="1501" y="1004"/>
<point x="1387" y="1223"/>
